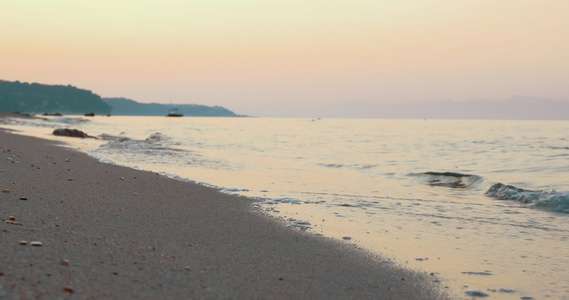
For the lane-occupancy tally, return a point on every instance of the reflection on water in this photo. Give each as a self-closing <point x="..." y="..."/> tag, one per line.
<point x="413" y="190"/>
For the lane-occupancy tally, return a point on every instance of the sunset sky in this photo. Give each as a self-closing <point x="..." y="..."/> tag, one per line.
<point x="261" y="54"/>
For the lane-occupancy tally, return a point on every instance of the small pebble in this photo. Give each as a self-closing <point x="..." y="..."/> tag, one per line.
<point x="13" y="223"/>
<point x="346" y="238"/>
<point x="68" y="289"/>
<point x="64" y="262"/>
<point x="36" y="244"/>
<point x="7" y="191"/>
<point x="23" y="198"/>
<point x="12" y="218"/>
<point x="23" y="243"/>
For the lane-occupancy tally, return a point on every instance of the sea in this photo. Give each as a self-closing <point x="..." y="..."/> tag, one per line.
<point x="481" y="206"/>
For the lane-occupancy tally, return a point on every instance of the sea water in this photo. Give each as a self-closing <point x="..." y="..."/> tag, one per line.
<point x="483" y="205"/>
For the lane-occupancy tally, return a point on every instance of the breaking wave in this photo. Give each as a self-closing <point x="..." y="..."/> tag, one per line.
<point x="43" y="122"/>
<point x="156" y="149"/>
<point x="548" y="200"/>
<point x="155" y="141"/>
<point x="449" y="179"/>
<point x="66" y="120"/>
<point x="156" y="145"/>
<point x="348" y="166"/>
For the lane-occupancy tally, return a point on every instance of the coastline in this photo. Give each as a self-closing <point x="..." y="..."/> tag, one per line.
<point x="114" y="232"/>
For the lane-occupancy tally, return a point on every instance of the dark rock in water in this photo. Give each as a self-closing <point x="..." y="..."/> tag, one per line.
<point x="71" y="133"/>
<point x="91" y="114"/>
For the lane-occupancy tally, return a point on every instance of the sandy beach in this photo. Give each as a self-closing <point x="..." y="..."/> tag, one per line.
<point x="110" y="232"/>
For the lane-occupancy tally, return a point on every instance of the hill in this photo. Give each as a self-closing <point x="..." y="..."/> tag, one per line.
<point x="35" y="98"/>
<point x="127" y="107"/>
<point x="40" y="98"/>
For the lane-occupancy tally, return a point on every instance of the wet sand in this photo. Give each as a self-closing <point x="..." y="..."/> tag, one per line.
<point x="114" y="232"/>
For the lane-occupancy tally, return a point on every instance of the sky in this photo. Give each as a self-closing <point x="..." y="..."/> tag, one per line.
<point x="254" y="56"/>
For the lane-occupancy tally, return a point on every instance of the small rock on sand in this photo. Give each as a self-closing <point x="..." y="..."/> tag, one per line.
<point x="476" y="293"/>
<point x="36" y="244"/>
<point x="23" y="243"/>
<point x="6" y="191"/>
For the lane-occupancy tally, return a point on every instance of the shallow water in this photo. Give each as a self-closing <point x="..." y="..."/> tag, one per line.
<point x="413" y="190"/>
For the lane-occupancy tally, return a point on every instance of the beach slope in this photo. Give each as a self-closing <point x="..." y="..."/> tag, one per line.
<point x="113" y="232"/>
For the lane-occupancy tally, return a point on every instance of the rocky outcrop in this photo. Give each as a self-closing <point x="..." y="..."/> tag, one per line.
<point x="71" y="133"/>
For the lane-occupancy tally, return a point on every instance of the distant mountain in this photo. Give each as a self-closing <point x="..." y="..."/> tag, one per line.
<point x="127" y="107"/>
<point x="513" y="108"/>
<point x="40" y="98"/>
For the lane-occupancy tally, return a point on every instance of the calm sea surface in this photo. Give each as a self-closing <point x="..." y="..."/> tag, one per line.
<point x="484" y="205"/>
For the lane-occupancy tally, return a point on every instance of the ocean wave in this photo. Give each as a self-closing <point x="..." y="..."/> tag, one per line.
<point x="547" y="200"/>
<point x="349" y="166"/>
<point x="43" y="122"/>
<point x="156" y="149"/>
<point x="558" y="148"/>
<point x="66" y="120"/>
<point x="155" y="144"/>
<point x="155" y="141"/>
<point x="449" y="179"/>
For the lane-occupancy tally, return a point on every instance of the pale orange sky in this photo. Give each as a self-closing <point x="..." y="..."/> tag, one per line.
<point x="245" y="54"/>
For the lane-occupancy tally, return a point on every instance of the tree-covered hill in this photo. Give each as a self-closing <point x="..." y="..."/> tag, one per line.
<point x="40" y="98"/>
<point x="127" y="107"/>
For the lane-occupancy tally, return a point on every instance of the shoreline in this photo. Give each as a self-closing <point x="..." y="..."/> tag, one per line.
<point x="115" y="232"/>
